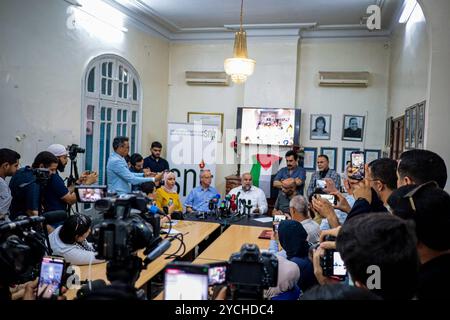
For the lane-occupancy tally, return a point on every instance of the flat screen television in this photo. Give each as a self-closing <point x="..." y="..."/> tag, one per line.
<point x="268" y="126"/>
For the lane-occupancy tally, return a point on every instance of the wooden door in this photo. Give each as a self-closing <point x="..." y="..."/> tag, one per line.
<point x="398" y="142"/>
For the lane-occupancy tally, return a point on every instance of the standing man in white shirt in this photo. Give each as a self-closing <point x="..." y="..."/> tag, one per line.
<point x="253" y="196"/>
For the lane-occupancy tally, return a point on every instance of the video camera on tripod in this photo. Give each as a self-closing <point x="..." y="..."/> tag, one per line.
<point x="74" y="150"/>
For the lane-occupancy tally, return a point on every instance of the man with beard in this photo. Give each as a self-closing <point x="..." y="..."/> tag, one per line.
<point x="252" y="195"/>
<point x="292" y="170"/>
<point x="56" y="195"/>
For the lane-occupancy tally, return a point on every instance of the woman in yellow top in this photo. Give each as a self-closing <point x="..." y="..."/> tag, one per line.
<point x="167" y="195"/>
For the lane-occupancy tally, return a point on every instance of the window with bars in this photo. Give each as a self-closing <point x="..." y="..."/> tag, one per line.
<point x="111" y="108"/>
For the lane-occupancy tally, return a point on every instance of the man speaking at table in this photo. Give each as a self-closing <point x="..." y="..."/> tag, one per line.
<point x="252" y="195"/>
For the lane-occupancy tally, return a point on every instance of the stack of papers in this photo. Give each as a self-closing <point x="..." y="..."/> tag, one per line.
<point x="264" y="219"/>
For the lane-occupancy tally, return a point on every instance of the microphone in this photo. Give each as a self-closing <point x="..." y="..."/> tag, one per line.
<point x="159" y="250"/>
<point x="233" y="205"/>
<point x="53" y="217"/>
<point x="155" y="210"/>
<point x="17" y="224"/>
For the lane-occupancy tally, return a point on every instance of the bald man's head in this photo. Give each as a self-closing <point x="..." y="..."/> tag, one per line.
<point x="288" y="186"/>
<point x="246" y="180"/>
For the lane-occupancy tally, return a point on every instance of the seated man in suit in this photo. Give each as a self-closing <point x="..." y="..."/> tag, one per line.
<point x="253" y="196"/>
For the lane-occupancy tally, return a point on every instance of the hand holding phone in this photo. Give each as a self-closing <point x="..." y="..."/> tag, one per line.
<point x="357" y="165"/>
<point x="276" y="221"/>
<point x="50" y="278"/>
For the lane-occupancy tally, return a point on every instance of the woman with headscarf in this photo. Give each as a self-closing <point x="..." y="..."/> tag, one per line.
<point x="292" y="236"/>
<point x="288" y="276"/>
<point x="167" y="195"/>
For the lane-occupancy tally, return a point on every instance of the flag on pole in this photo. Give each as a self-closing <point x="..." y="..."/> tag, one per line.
<point x="263" y="168"/>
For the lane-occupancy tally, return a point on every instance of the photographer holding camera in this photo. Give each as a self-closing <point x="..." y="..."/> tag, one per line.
<point x="56" y="195"/>
<point x="25" y="185"/>
<point x="9" y="163"/>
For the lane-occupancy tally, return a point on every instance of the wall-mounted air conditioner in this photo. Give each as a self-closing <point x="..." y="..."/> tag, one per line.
<point x="344" y="79"/>
<point x="207" y="78"/>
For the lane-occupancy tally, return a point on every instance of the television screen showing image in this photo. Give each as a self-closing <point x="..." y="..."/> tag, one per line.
<point x="269" y="126"/>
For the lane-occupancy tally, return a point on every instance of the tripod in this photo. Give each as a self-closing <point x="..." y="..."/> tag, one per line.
<point x="73" y="177"/>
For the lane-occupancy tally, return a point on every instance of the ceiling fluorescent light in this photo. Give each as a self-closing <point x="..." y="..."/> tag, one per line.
<point x="407" y="10"/>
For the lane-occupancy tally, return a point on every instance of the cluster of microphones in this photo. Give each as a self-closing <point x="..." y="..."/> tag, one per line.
<point x="230" y="205"/>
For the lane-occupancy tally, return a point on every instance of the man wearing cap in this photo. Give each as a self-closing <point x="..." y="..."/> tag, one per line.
<point x="56" y="195"/>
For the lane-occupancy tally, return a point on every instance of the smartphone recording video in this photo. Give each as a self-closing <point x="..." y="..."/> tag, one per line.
<point x="50" y="278"/>
<point x="339" y="268"/>
<point x="90" y="194"/>
<point x="329" y="197"/>
<point x="321" y="184"/>
<point x="185" y="281"/>
<point x="357" y="162"/>
<point x="276" y="221"/>
<point x="217" y="273"/>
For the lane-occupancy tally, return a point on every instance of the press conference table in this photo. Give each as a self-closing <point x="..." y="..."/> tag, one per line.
<point x="193" y="233"/>
<point x="230" y="241"/>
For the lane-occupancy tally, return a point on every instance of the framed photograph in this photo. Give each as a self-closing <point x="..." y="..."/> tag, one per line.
<point x="370" y="155"/>
<point x="420" y="125"/>
<point x="209" y="118"/>
<point x="412" y="127"/>
<point x="309" y="159"/>
<point x="353" y="128"/>
<point x="320" y="127"/>
<point x="346" y="156"/>
<point x="331" y="153"/>
<point x="388" y="133"/>
<point x="407" y="124"/>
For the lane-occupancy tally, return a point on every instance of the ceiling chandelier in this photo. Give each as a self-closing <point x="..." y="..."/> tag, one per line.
<point x="240" y="66"/>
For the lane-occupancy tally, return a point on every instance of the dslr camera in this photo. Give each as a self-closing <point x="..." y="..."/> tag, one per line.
<point x="73" y="150"/>
<point x="332" y="264"/>
<point x="249" y="272"/>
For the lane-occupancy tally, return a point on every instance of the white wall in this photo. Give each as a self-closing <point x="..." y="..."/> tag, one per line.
<point x="42" y="63"/>
<point x="343" y="55"/>
<point x="272" y="84"/>
<point x="409" y="64"/>
<point x="437" y="119"/>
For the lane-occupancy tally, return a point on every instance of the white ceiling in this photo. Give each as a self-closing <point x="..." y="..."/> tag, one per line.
<point x="173" y="18"/>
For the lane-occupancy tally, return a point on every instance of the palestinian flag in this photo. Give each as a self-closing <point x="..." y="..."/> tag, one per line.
<point x="264" y="167"/>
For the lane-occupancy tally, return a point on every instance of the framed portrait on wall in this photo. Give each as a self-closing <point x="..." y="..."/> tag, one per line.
<point x="346" y="156"/>
<point x="309" y="160"/>
<point x="407" y="126"/>
<point x="209" y="118"/>
<point x="353" y="128"/>
<point x="388" y="133"/>
<point x="370" y="155"/>
<point x="320" y="127"/>
<point x="331" y="153"/>
<point x="420" y="125"/>
<point x="412" y="127"/>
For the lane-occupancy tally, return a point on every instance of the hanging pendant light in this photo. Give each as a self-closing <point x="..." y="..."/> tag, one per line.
<point x="240" y="66"/>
